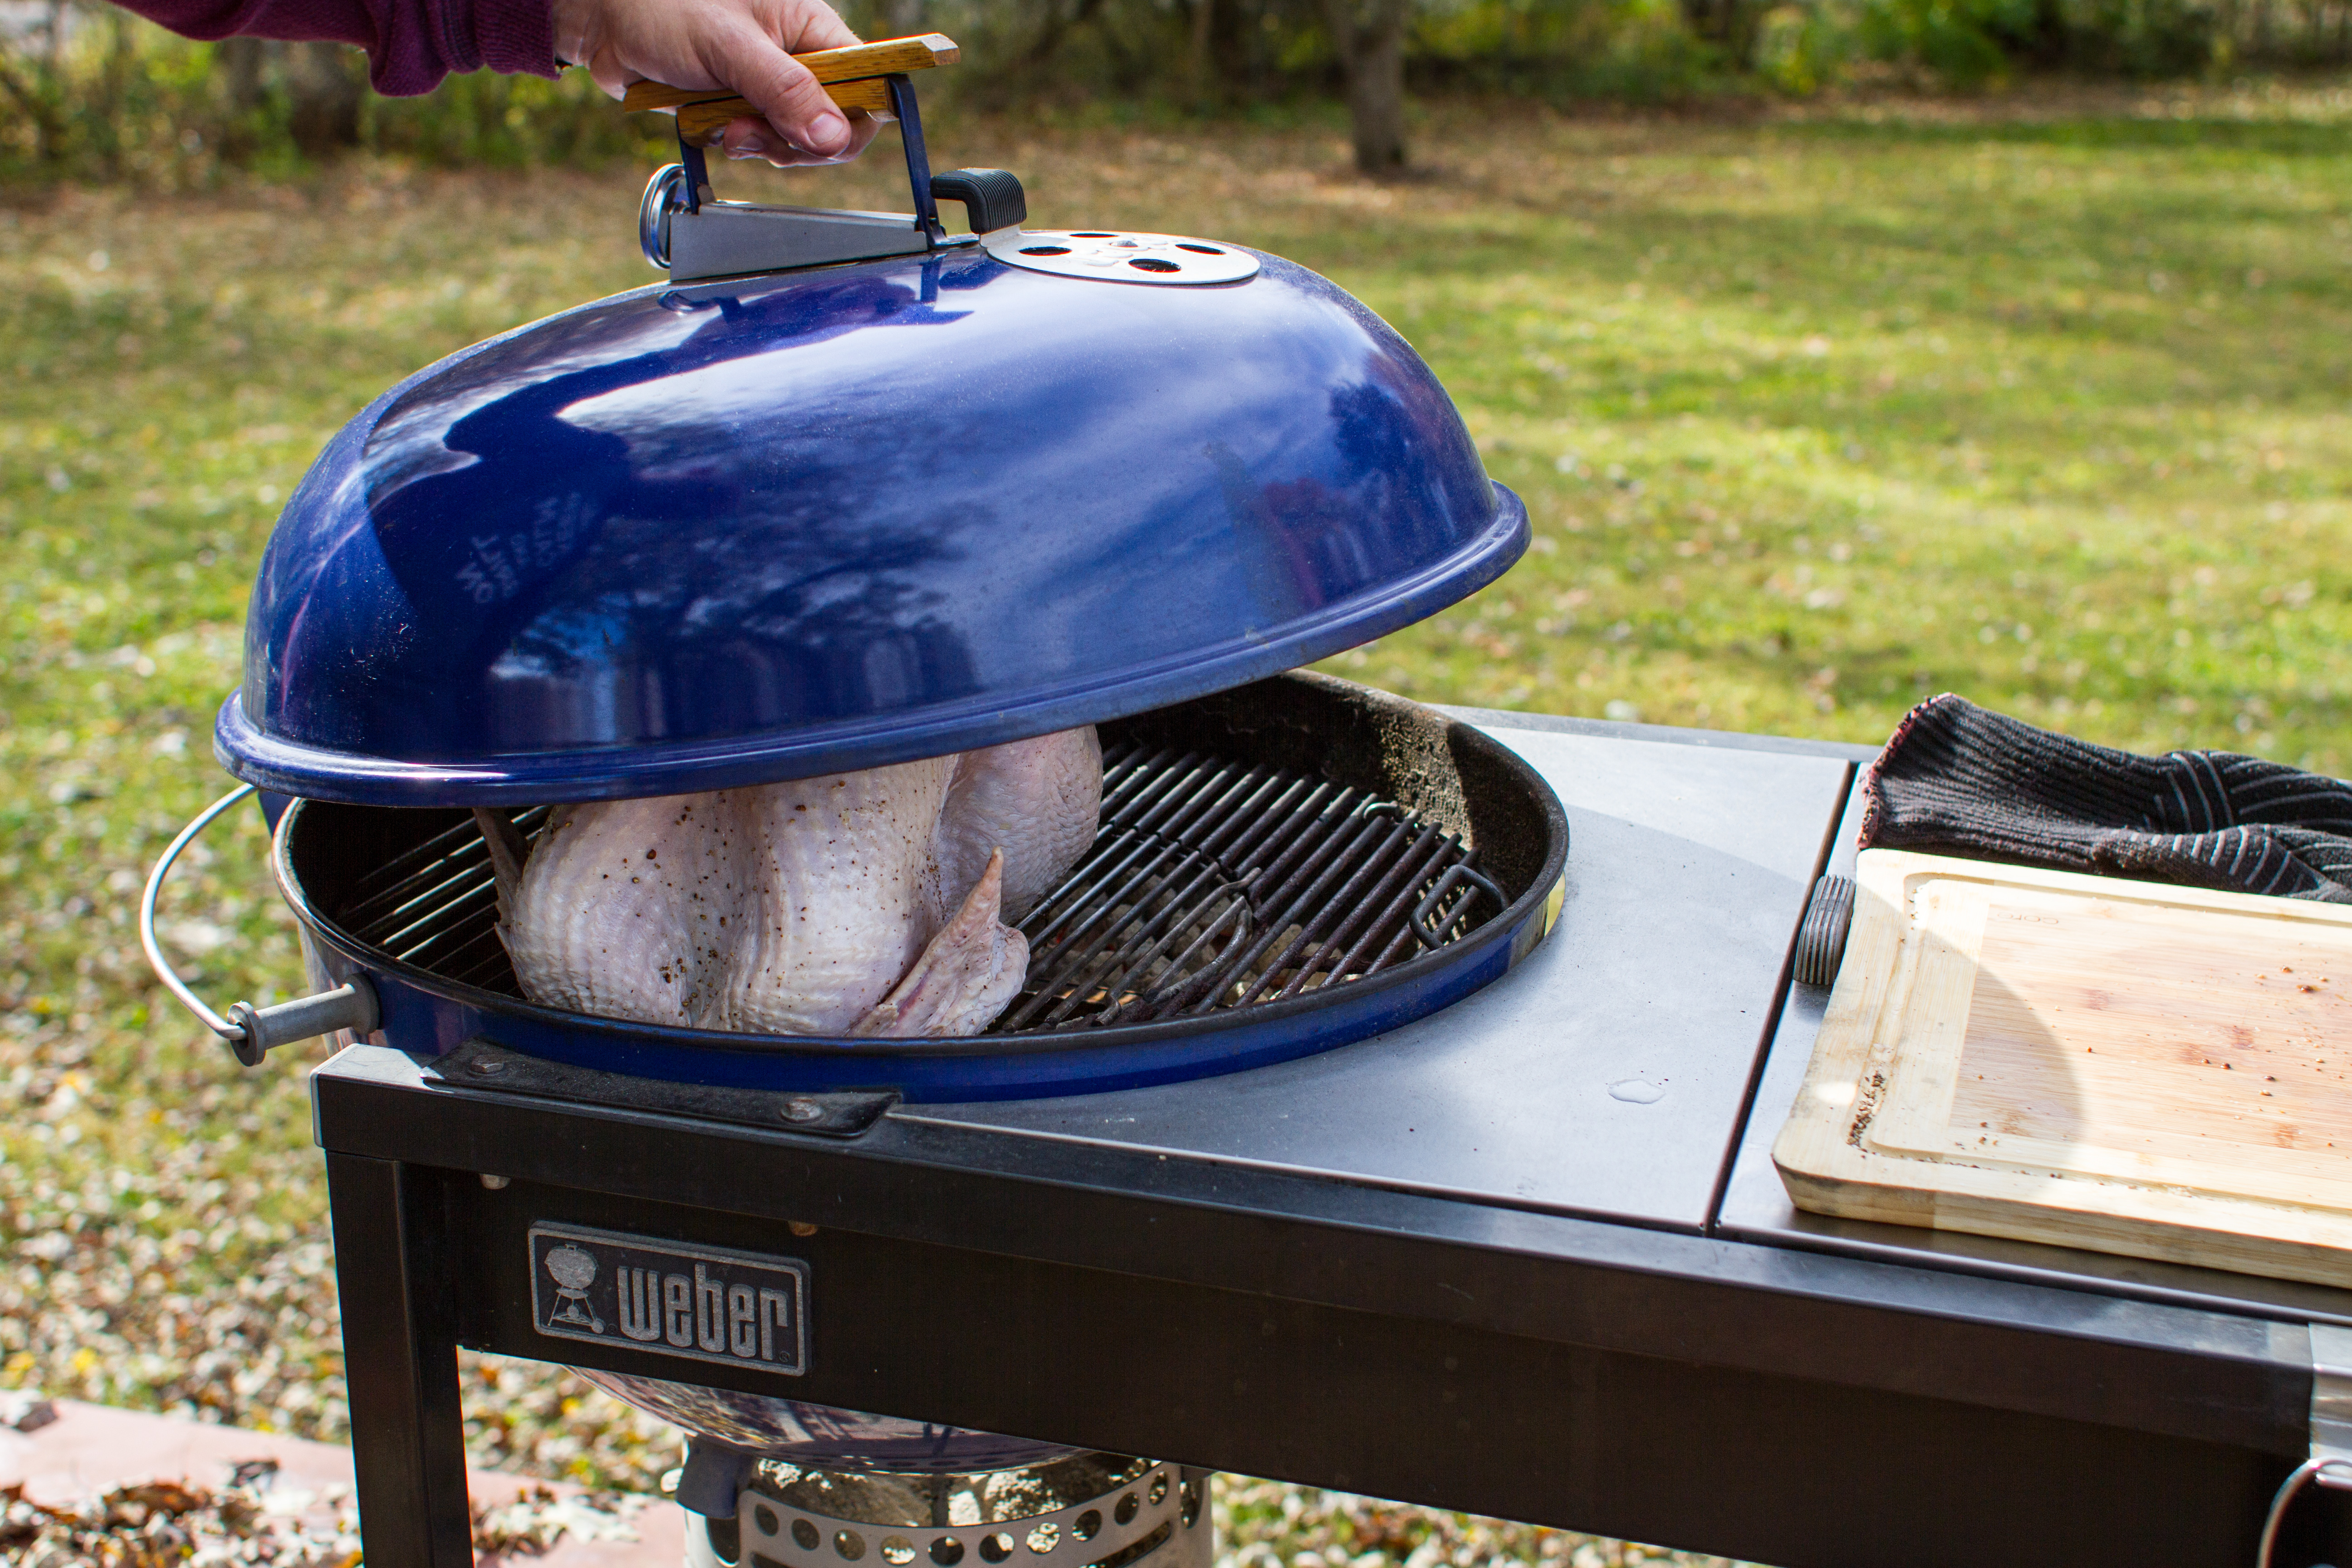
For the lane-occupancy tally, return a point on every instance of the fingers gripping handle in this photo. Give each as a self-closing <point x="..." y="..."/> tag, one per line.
<point x="251" y="1032"/>
<point x="851" y="77"/>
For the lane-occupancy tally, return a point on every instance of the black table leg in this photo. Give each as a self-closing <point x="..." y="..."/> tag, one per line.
<point x="400" y="1364"/>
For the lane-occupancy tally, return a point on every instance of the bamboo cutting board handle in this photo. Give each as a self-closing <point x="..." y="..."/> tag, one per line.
<point x="2091" y="1062"/>
<point x="851" y="77"/>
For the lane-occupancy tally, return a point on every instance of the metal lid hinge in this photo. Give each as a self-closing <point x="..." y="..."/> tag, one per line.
<point x="691" y="235"/>
<point x="918" y="157"/>
<point x="697" y="175"/>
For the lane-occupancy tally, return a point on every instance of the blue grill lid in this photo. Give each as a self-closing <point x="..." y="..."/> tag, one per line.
<point x="690" y="538"/>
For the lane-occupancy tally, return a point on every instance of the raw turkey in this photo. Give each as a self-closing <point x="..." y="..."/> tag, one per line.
<point x="874" y="903"/>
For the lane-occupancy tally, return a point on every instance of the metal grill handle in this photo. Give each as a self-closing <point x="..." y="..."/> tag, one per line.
<point x="1460" y="872"/>
<point x="2328" y="1471"/>
<point x="251" y="1032"/>
<point x="1821" y="937"/>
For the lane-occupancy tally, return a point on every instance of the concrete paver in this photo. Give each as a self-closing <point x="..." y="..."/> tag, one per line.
<point x="91" y="1449"/>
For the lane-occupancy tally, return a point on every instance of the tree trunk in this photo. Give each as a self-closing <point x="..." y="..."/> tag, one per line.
<point x="1204" y="22"/>
<point x="245" y="65"/>
<point x="114" y="92"/>
<point x="31" y="93"/>
<point x="241" y="61"/>
<point x="1048" y="42"/>
<point x="1371" y="54"/>
<point x="326" y="94"/>
<point x="1732" y="24"/>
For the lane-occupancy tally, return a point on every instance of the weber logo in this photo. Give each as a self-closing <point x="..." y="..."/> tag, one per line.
<point x="694" y="1302"/>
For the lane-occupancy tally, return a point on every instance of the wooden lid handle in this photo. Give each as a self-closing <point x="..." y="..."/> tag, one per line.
<point x="851" y="78"/>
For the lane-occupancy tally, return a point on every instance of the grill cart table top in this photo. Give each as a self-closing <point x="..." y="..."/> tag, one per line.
<point x="1526" y="1257"/>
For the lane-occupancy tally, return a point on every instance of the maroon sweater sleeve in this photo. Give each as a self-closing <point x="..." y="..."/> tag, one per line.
<point x="411" y="44"/>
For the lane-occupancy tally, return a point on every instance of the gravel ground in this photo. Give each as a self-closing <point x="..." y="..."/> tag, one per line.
<point x="162" y="1523"/>
<point x="1261" y="1524"/>
<point x="253" y="1520"/>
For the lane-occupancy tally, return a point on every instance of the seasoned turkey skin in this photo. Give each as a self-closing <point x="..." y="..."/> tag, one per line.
<point x="1038" y="800"/>
<point x="870" y="903"/>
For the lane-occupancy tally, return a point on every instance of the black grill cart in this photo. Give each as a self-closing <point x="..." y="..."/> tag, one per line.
<point x="1525" y="1256"/>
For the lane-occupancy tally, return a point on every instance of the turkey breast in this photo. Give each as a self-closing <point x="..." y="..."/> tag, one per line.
<point x="873" y="903"/>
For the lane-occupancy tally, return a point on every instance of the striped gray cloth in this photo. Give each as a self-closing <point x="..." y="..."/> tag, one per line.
<point x="1961" y="780"/>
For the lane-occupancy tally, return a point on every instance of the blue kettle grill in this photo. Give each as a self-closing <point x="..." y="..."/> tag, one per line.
<point x="846" y="490"/>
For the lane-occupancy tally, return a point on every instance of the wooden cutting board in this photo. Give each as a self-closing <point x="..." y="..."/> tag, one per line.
<point x="2157" y="1071"/>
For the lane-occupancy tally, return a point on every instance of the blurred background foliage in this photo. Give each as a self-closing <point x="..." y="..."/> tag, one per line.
<point x="89" y="92"/>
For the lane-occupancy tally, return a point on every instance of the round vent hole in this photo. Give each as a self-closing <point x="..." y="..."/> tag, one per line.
<point x="1044" y="1538"/>
<point x="1160" y="1489"/>
<point x="1085" y="1526"/>
<point x="804" y="1535"/>
<point x="1074" y="235"/>
<point x="1044" y="250"/>
<point x="946" y="1552"/>
<point x="996" y="1547"/>
<point x="897" y="1551"/>
<point x="1199" y="249"/>
<point x="850" y="1544"/>
<point x="766" y="1517"/>
<point x="1191" y="1502"/>
<point x="1127" y="1509"/>
<point x="1153" y="264"/>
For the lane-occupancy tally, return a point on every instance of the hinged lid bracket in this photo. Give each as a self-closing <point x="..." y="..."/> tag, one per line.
<point x="688" y="232"/>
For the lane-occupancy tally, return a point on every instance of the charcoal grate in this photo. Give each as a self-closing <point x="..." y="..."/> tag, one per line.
<point x="1212" y="883"/>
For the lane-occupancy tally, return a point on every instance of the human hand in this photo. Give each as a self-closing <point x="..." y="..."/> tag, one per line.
<point x="744" y="46"/>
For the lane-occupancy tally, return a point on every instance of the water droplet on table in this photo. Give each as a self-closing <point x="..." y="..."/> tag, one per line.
<point x="1636" y="1091"/>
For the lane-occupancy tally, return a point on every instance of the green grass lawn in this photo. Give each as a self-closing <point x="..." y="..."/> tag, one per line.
<point x="1816" y="417"/>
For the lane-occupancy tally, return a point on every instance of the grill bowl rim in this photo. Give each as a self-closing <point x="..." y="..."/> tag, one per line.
<point x="1522" y="923"/>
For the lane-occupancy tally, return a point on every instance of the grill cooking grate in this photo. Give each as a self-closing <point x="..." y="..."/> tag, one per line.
<point x="1215" y="883"/>
<point x="1211" y="884"/>
<point x="435" y="906"/>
